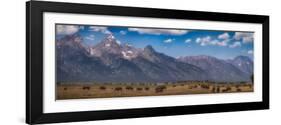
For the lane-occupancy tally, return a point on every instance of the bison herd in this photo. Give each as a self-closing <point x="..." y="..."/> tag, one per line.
<point x="160" y="88"/>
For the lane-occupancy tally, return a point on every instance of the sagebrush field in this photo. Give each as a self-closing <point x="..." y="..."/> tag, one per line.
<point x="79" y="91"/>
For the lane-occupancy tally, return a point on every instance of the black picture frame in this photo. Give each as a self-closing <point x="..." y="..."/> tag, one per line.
<point x="34" y="62"/>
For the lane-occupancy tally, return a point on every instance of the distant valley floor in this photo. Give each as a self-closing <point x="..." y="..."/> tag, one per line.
<point x="82" y="90"/>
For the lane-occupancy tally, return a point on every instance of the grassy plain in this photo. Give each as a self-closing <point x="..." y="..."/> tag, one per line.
<point x="106" y="90"/>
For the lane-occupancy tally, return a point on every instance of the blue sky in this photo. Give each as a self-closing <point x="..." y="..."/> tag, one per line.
<point x="172" y="42"/>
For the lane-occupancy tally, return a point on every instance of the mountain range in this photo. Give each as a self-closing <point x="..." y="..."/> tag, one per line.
<point x="109" y="61"/>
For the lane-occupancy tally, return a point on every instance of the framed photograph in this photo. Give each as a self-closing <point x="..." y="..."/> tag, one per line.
<point x="95" y="62"/>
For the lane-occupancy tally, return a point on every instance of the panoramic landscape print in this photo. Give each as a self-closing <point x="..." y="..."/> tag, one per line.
<point x="114" y="61"/>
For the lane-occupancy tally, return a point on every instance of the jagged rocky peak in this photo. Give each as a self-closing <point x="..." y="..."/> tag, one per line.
<point x="244" y="63"/>
<point x="150" y="54"/>
<point x="129" y="52"/>
<point x="242" y="60"/>
<point x="109" y="41"/>
<point x="107" y="45"/>
<point x="128" y="45"/>
<point x="110" y="37"/>
<point x="217" y="69"/>
<point x="109" y="61"/>
<point x="149" y="49"/>
<point x="110" y="45"/>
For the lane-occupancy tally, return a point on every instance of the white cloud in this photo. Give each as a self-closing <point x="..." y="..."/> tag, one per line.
<point x="101" y="29"/>
<point x="208" y="40"/>
<point x="224" y="36"/>
<point x="159" y="31"/>
<point x="187" y="40"/>
<point x="90" y="37"/>
<point x="122" y="32"/>
<point x="235" y="44"/>
<point x="66" y="29"/>
<point x="222" y="43"/>
<point x="203" y="41"/>
<point x="250" y="52"/>
<point x="168" y="40"/>
<point x="245" y="37"/>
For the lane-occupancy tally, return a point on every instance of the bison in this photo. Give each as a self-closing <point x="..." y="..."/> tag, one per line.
<point x="139" y="89"/>
<point x="103" y="88"/>
<point x="160" y="89"/>
<point x="146" y="88"/>
<point x="227" y="89"/>
<point x="118" y="89"/>
<point x="214" y="90"/>
<point x="205" y="86"/>
<point x="86" y="88"/>
<point x="218" y="89"/>
<point x="129" y="88"/>
<point x="238" y="90"/>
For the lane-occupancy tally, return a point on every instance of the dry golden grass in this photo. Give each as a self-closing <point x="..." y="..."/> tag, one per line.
<point x="79" y="91"/>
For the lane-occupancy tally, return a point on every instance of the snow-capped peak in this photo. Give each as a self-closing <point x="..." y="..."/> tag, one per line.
<point x="107" y="45"/>
<point x="128" y="54"/>
<point x="110" y="37"/>
<point x="131" y="52"/>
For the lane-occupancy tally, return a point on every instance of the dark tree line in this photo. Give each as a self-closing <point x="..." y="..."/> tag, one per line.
<point x="252" y="78"/>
